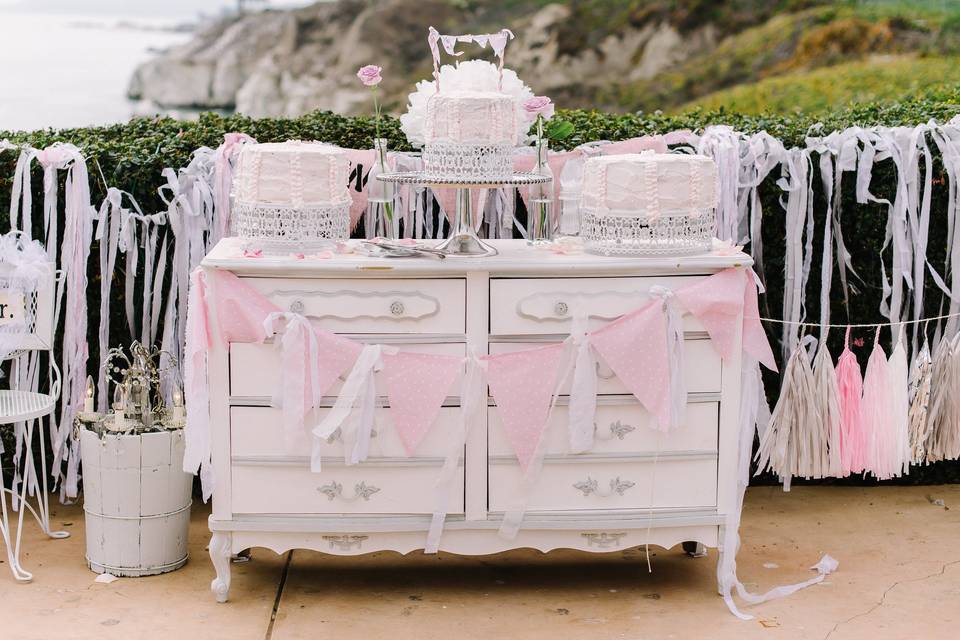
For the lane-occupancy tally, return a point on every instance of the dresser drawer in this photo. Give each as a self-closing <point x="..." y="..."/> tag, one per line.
<point x="624" y="429"/>
<point x="255" y="368"/>
<point x="703" y="367"/>
<point x="579" y="485"/>
<point x="257" y="432"/>
<point x="521" y="306"/>
<point x="372" y="306"/>
<point x="359" y="489"/>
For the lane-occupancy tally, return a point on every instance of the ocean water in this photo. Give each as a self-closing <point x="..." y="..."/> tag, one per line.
<point x="72" y="71"/>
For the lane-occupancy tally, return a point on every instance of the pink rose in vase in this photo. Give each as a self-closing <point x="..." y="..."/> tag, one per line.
<point x="540" y="106"/>
<point x="370" y="75"/>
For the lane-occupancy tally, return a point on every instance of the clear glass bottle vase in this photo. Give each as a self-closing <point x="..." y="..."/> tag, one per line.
<point x="380" y="219"/>
<point x="540" y="219"/>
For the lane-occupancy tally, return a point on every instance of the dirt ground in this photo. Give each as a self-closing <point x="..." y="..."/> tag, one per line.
<point x="899" y="577"/>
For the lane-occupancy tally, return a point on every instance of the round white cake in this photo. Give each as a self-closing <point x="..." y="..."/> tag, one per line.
<point x="470" y="135"/>
<point x="291" y="196"/>
<point x="648" y="203"/>
<point x="649" y="183"/>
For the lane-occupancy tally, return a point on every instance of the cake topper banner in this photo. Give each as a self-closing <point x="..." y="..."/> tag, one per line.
<point x="498" y="42"/>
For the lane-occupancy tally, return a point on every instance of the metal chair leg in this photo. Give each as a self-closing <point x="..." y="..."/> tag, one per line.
<point x="43" y="502"/>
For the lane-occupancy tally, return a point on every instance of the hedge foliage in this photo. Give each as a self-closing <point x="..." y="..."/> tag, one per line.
<point x="131" y="156"/>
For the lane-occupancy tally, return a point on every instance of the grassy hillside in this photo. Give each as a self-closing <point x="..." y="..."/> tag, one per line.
<point x="876" y="79"/>
<point x="811" y="58"/>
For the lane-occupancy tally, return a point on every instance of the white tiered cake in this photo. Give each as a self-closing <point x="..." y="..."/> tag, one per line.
<point x="470" y="135"/>
<point x="291" y="195"/>
<point x="648" y="203"/>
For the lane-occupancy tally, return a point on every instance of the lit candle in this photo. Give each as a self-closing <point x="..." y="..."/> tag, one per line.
<point x="119" y="401"/>
<point x="178" y="413"/>
<point x="88" y="399"/>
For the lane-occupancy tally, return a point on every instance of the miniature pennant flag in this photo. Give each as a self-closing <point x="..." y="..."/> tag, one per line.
<point x="241" y="309"/>
<point x="417" y="385"/>
<point x="717" y="301"/>
<point x="635" y="348"/>
<point x="522" y="384"/>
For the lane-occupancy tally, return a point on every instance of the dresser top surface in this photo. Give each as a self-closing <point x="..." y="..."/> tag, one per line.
<point x="515" y="258"/>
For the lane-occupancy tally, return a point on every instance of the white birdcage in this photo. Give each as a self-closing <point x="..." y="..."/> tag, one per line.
<point x="27" y="311"/>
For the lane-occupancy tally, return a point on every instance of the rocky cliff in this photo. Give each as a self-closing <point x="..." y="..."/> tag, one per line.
<point x="289" y="62"/>
<point x="610" y="54"/>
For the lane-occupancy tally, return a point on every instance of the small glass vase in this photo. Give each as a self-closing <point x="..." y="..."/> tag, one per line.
<point x="380" y="219"/>
<point x="570" y="182"/>
<point x="540" y="218"/>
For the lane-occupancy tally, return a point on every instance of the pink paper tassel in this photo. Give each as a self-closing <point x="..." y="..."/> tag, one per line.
<point x="853" y="438"/>
<point x="877" y="413"/>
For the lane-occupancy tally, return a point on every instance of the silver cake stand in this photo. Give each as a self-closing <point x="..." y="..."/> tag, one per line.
<point x="463" y="240"/>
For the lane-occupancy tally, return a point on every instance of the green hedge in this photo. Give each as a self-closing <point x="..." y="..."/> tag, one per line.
<point x="132" y="155"/>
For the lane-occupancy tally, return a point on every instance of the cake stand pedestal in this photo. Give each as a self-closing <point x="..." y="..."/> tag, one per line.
<point x="463" y="240"/>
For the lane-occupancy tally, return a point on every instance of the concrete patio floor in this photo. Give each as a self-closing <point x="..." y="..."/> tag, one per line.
<point x="899" y="577"/>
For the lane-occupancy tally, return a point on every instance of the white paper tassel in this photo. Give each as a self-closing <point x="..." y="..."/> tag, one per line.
<point x="920" y="379"/>
<point x="826" y="447"/>
<point x="785" y="447"/>
<point x="899" y="375"/>
<point x="943" y="437"/>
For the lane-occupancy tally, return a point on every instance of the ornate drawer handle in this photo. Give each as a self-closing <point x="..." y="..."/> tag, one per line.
<point x="397" y="308"/>
<point x="591" y="486"/>
<point x="561" y="308"/>
<point x="618" y="430"/>
<point x="337" y="436"/>
<point x="297" y="306"/>
<point x="360" y="490"/>
<point x="604" y="540"/>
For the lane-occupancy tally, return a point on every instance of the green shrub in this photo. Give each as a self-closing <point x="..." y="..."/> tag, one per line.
<point x="132" y="155"/>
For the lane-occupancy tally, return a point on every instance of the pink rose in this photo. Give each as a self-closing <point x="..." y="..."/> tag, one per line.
<point x="539" y="105"/>
<point x="370" y="75"/>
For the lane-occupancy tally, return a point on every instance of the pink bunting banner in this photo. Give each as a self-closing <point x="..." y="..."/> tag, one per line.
<point x="717" y="301"/>
<point x="522" y="383"/>
<point x="635" y="348"/>
<point x="417" y="385"/>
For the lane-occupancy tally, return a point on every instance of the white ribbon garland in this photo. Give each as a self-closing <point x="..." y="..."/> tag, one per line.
<point x="675" y="349"/>
<point x="299" y="358"/>
<point x="473" y="401"/>
<point x="358" y="392"/>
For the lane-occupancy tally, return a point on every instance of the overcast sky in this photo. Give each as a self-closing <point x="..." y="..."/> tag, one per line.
<point x="154" y="8"/>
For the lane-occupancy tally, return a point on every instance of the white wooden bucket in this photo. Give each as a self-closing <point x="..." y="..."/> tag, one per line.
<point x="136" y="500"/>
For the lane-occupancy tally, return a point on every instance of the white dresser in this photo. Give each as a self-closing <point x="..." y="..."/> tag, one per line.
<point x="636" y="486"/>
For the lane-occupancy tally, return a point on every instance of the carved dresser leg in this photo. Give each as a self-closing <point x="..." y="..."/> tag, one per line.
<point x="220" y="544"/>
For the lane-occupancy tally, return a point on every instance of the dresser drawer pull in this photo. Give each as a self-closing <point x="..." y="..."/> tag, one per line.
<point x="297" y="307"/>
<point x="617" y="430"/>
<point x="337" y="436"/>
<point x="561" y="308"/>
<point x="591" y="486"/>
<point x="397" y="308"/>
<point x="360" y="490"/>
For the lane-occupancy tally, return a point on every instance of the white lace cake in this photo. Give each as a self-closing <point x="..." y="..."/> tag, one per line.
<point x="470" y="135"/>
<point x="648" y="203"/>
<point x="291" y="195"/>
<point x="650" y="183"/>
